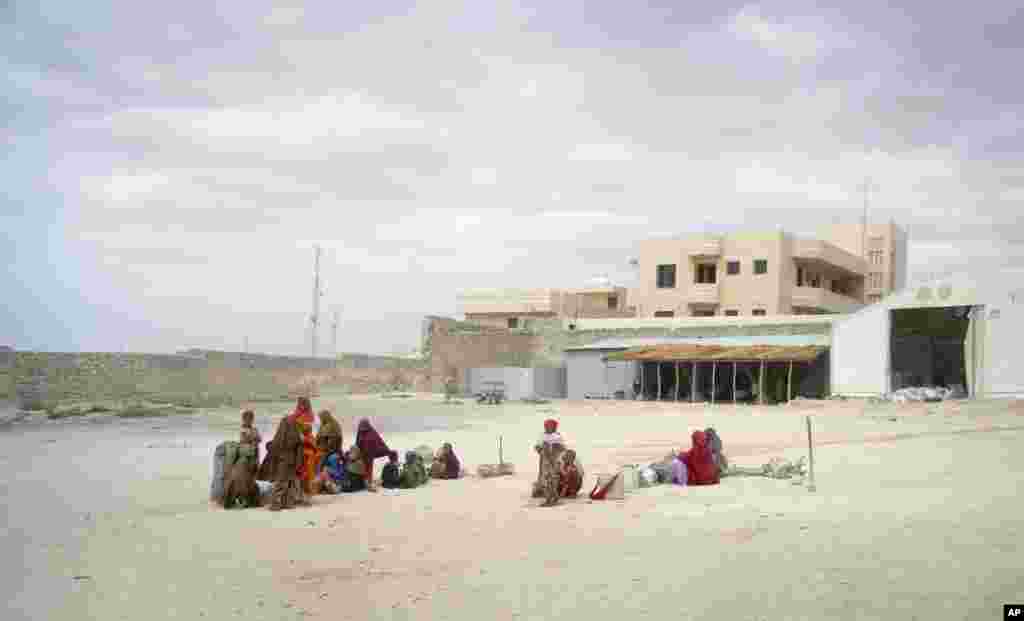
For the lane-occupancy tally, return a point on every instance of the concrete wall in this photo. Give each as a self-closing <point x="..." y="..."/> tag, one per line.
<point x="520" y="383"/>
<point x="860" y="353"/>
<point x="453" y="346"/>
<point x="1002" y="349"/>
<point x="589" y="376"/>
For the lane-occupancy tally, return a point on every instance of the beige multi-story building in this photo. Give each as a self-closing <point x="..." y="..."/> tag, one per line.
<point x="518" y="308"/>
<point x="883" y="246"/>
<point x="747" y="274"/>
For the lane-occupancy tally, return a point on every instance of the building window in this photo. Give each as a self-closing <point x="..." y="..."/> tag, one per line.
<point x="758" y="312"/>
<point x="875" y="280"/>
<point x="732" y="313"/>
<point x="664" y="314"/>
<point x="666" y="276"/>
<point x="613" y="302"/>
<point x="513" y="323"/>
<point x="732" y="268"/>
<point x="799" y="277"/>
<point x="760" y="266"/>
<point x="875" y="257"/>
<point x="703" y="313"/>
<point x="874" y="298"/>
<point x="705" y="274"/>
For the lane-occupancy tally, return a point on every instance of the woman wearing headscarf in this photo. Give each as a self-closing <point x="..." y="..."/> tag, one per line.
<point x="371" y="446"/>
<point x="414" y="473"/>
<point x="329" y="438"/>
<point x="303" y="419"/>
<point x="571" y="475"/>
<point x="549" y="447"/>
<point x="700" y="464"/>
<point x="355" y="471"/>
<point x="284" y="458"/>
<point x="446" y="464"/>
<point x="715" y="444"/>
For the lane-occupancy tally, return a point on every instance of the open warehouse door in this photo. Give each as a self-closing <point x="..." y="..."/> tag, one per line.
<point x="935" y="346"/>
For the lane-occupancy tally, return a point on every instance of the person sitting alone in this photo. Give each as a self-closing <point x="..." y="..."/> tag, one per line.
<point x="390" y="476"/>
<point x="446" y="463"/>
<point x="414" y="473"/>
<point x="571" y="475"/>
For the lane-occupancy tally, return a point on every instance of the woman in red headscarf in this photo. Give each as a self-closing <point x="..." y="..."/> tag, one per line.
<point x="304" y="419"/>
<point x="549" y="448"/>
<point x="371" y="447"/>
<point x="701" y="468"/>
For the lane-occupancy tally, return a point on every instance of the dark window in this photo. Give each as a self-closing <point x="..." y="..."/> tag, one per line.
<point x="613" y="302"/>
<point x="705" y="274"/>
<point x="758" y="312"/>
<point x="513" y="322"/>
<point x="760" y="266"/>
<point x="664" y="314"/>
<point x="799" y="277"/>
<point x="666" y="276"/>
<point x="732" y="313"/>
<point x="703" y="313"/>
<point x="732" y="268"/>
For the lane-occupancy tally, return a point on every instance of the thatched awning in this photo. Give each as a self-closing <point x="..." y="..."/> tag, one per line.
<point x="721" y="353"/>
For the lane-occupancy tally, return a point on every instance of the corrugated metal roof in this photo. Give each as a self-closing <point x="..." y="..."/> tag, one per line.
<point x="722" y="353"/>
<point x="777" y="339"/>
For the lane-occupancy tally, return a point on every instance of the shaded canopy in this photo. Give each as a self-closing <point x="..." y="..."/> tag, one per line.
<point x="721" y="353"/>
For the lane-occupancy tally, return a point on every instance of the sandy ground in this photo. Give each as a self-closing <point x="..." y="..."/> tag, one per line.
<point x="917" y="515"/>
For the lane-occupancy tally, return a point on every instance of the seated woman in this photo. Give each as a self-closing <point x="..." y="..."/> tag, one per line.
<point x="700" y="464"/>
<point x="329" y="436"/>
<point x="389" y="476"/>
<point x="371" y="446"/>
<point x="446" y="464"/>
<point x="355" y="471"/>
<point x="332" y="472"/>
<point x="571" y="475"/>
<point x="414" y="473"/>
<point x="715" y="444"/>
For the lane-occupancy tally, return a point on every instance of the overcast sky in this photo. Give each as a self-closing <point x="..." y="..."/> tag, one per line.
<point x="168" y="166"/>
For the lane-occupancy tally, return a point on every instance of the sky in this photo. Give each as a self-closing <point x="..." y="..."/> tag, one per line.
<point x="169" y="167"/>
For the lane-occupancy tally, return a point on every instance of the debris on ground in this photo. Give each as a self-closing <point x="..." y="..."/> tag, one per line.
<point x="776" y="468"/>
<point x="928" y="394"/>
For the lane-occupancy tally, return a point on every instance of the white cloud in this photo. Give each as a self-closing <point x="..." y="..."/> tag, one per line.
<point x="777" y="37"/>
<point x="605" y="152"/>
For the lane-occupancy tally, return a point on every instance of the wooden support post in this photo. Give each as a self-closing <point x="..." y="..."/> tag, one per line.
<point x="500" y="456"/>
<point x="714" y="380"/>
<point x="659" y="379"/>
<point x="760" y="384"/>
<point x="676" y="364"/>
<point x="789" y="383"/>
<point x="810" y="454"/>
<point x="693" y="384"/>
<point x="734" y="382"/>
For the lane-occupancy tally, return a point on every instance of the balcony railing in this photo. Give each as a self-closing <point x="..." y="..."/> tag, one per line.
<point x="703" y="294"/>
<point x="816" y="251"/>
<point x="705" y="247"/>
<point x="823" y="299"/>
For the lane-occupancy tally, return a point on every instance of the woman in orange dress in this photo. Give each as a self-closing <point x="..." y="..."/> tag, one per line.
<point x="303" y="417"/>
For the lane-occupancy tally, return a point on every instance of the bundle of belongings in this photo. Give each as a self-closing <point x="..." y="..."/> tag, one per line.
<point x="673" y="469"/>
<point x="776" y="468"/>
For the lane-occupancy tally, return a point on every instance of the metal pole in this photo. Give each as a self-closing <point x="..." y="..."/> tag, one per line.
<point x="693" y="384"/>
<point x="760" y="383"/>
<point x="678" y="381"/>
<point x="810" y="454"/>
<point x="500" y="456"/>
<point x="659" y="380"/>
<point x="734" y="383"/>
<point x="315" y="318"/>
<point x="789" y="383"/>
<point x="643" y="385"/>
<point x="714" y="380"/>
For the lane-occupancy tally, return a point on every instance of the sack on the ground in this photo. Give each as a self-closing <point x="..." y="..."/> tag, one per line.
<point x="648" y="477"/>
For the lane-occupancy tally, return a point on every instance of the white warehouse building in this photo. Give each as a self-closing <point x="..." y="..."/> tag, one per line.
<point x="963" y="330"/>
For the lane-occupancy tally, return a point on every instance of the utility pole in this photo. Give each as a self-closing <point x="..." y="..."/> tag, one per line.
<point x="314" y="319"/>
<point x="866" y="188"/>
<point x="246" y="346"/>
<point x="334" y="334"/>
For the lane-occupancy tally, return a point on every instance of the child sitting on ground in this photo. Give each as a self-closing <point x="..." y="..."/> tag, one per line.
<point x="389" y="477"/>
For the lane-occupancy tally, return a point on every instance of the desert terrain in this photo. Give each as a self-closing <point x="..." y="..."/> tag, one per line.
<point x="918" y="514"/>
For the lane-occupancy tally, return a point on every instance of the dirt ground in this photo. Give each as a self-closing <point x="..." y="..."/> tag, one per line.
<point x="917" y="515"/>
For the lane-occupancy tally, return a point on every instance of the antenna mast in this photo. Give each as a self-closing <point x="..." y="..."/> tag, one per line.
<point x="314" y="319"/>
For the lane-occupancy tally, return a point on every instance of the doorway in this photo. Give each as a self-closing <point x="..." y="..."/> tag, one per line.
<point x="927" y="347"/>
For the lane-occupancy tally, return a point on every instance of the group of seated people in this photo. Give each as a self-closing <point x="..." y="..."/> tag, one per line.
<point x="703" y="464"/>
<point x="300" y="464"/>
<point x="560" y="474"/>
